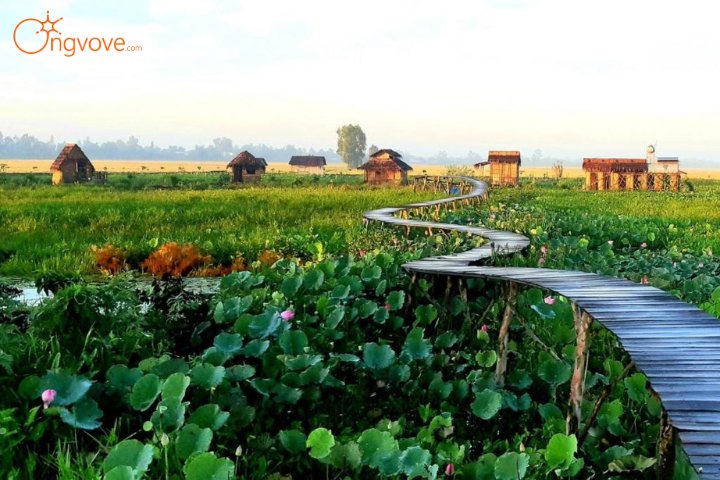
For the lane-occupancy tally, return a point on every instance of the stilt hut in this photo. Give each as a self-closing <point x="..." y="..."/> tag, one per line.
<point x="247" y="168"/>
<point x="504" y="167"/>
<point x="649" y="173"/>
<point x="72" y="166"/>
<point x="310" y="164"/>
<point x="386" y="167"/>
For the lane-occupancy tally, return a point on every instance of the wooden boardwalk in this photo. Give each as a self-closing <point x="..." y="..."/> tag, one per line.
<point x="675" y="344"/>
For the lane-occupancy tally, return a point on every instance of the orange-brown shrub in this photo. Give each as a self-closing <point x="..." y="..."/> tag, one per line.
<point x="110" y="259"/>
<point x="175" y="260"/>
<point x="238" y="265"/>
<point x="268" y="258"/>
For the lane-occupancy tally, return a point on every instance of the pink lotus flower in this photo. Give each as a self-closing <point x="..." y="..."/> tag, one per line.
<point x="362" y="253"/>
<point x="484" y="328"/>
<point x="643" y="245"/>
<point x="541" y="261"/>
<point x="450" y="469"/>
<point x="48" y="396"/>
<point x="387" y="307"/>
<point x="543" y="249"/>
<point x="287" y="315"/>
<point x="549" y="300"/>
<point x="644" y="280"/>
<point x="701" y="265"/>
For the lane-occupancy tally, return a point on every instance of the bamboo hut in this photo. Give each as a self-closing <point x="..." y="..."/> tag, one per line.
<point x="650" y="173"/>
<point x="386" y="167"/>
<point x="246" y="168"/>
<point x="72" y="166"/>
<point x="504" y="167"/>
<point x="310" y="164"/>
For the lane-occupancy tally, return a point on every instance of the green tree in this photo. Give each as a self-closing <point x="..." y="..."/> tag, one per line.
<point x="373" y="148"/>
<point x="351" y="145"/>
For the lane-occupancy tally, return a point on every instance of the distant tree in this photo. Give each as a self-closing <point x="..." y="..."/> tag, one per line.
<point x="373" y="149"/>
<point x="537" y="156"/>
<point x="351" y="145"/>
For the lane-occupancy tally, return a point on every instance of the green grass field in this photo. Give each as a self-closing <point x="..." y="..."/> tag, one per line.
<point x="53" y="228"/>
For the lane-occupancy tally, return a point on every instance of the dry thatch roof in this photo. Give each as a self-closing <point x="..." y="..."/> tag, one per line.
<point x="620" y="165"/>
<point x="307" y="161"/>
<point x="504" y="156"/>
<point x="70" y="152"/>
<point x="247" y="159"/>
<point x="386" y="159"/>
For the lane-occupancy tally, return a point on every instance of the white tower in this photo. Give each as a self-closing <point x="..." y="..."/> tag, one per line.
<point x="652" y="159"/>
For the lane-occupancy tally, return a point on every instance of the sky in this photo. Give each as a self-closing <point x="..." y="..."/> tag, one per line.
<point x="570" y="78"/>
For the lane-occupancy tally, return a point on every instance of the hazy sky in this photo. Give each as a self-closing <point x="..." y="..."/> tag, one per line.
<point x="568" y="77"/>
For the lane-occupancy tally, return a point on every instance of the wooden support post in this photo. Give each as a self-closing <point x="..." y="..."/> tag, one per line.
<point x="409" y="302"/>
<point x="614" y="181"/>
<point x="462" y="286"/>
<point x="583" y="322"/>
<point x="504" y="335"/>
<point x="666" y="449"/>
<point x="407" y="231"/>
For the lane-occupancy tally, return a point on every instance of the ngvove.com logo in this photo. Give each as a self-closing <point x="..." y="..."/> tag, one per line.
<point x="33" y="36"/>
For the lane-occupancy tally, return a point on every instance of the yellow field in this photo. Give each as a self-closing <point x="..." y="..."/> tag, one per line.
<point x="127" y="166"/>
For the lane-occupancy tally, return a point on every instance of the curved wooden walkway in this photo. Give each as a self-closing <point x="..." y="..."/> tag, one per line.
<point x="675" y="344"/>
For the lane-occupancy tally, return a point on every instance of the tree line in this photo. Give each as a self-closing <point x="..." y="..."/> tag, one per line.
<point x="29" y="147"/>
<point x="352" y="149"/>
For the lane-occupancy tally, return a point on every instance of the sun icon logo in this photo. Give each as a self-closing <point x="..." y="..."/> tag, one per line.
<point x="47" y="27"/>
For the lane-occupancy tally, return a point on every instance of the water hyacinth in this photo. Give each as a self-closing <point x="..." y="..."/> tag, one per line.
<point x="48" y="396"/>
<point x="287" y="315"/>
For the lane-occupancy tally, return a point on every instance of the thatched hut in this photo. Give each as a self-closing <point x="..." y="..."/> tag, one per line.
<point x="247" y="168"/>
<point x="72" y="166"/>
<point x="386" y="167"/>
<point x="600" y="172"/>
<point x="309" y="164"/>
<point x="504" y="167"/>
